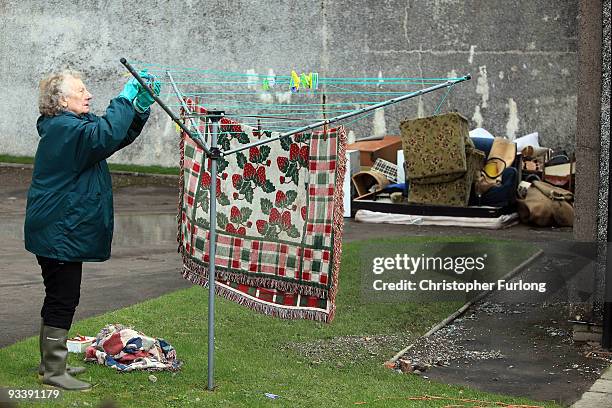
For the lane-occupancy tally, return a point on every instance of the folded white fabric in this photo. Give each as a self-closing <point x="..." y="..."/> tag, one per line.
<point x="503" y="221"/>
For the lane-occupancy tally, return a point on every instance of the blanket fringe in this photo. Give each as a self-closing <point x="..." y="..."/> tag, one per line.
<point x="266" y="308"/>
<point x="181" y="190"/>
<point x="338" y="224"/>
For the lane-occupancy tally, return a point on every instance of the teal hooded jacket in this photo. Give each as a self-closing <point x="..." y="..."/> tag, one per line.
<point x="69" y="212"/>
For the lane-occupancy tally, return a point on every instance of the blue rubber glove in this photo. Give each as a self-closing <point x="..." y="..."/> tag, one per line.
<point x="133" y="87"/>
<point x="144" y="100"/>
<point x="130" y="90"/>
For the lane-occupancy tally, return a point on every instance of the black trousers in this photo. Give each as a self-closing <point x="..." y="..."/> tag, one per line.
<point x="62" y="291"/>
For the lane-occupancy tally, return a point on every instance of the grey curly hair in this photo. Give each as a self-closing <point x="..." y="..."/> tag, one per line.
<point x="51" y="89"/>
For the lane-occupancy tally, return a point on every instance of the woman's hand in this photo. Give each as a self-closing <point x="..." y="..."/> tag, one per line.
<point x="144" y="100"/>
<point x="130" y="90"/>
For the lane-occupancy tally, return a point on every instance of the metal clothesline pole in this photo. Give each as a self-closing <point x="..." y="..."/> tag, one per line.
<point x="212" y="245"/>
<point x="179" y="96"/>
<point x="214" y="154"/>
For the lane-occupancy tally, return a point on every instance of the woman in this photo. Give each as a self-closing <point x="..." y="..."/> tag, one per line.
<point x="69" y="214"/>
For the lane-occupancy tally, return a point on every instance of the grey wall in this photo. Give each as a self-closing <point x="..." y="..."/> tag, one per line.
<point x="603" y="218"/>
<point x="592" y="148"/>
<point x="522" y="55"/>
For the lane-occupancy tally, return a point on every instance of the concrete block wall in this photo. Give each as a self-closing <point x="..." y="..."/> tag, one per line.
<point x="522" y="56"/>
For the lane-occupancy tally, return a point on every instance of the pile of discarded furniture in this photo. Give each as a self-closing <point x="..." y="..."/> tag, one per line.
<point x="438" y="172"/>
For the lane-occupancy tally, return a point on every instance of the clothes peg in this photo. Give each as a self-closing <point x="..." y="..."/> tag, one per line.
<point x="314" y="80"/>
<point x="271" y="80"/>
<point x="306" y="81"/>
<point x="295" y="82"/>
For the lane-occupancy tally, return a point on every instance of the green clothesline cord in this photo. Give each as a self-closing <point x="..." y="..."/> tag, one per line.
<point x="178" y="69"/>
<point x="288" y="105"/>
<point x="437" y="110"/>
<point x="284" y="110"/>
<point x="255" y="79"/>
<point x="229" y="108"/>
<point x="273" y="116"/>
<point x="283" y="82"/>
<point x="271" y="108"/>
<point x="169" y="95"/>
<point x="280" y="106"/>
<point x="271" y="128"/>
<point x="318" y="93"/>
<point x="248" y="112"/>
<point x="288" y="109"/>
<point x="348" y="80"/>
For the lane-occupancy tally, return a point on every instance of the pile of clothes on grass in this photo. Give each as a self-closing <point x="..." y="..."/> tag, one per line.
<point x="126" y="349"/>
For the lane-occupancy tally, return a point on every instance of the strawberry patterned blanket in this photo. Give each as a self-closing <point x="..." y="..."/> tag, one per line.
<point x="279" y="219"/>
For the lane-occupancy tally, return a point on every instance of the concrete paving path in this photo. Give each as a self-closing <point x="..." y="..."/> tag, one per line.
<point x="599" y="395"/>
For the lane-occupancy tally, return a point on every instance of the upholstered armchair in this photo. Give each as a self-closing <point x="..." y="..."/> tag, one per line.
<point x="441" y="161"/>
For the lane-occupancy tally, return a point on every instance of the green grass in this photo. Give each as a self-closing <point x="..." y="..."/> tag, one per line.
<point x="113" y="167"/>
<point x="5" y="158"/>
<point x="256" y="354"/>
<point x="144" y="169"/>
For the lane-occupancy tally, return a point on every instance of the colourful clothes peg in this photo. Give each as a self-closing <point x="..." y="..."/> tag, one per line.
<point x="306" y="81"/>
<point x="314" y="80"/>
<point x="295" y="82"/>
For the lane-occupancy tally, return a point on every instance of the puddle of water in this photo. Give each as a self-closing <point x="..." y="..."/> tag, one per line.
<point x="130" y="230"/>
<point x="135" y="230"/>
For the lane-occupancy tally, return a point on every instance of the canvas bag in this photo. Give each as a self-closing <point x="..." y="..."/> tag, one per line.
<point x="546" y="205"/>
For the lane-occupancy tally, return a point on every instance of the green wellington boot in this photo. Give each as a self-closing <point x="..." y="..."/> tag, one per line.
<point x="72" y="370"/>
<point x="54" y="357"/>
